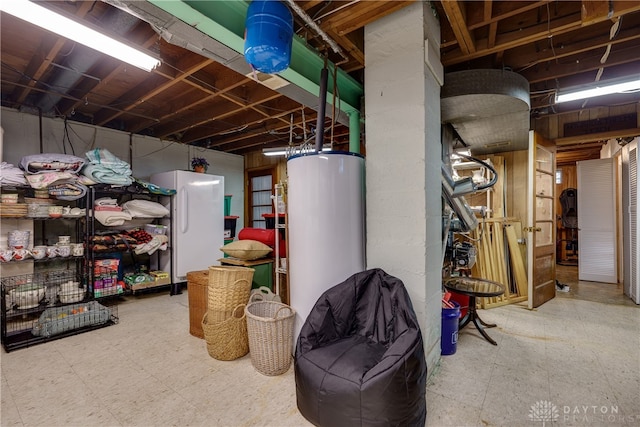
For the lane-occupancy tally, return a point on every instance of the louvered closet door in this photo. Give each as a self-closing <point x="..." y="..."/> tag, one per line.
<point x="630" y="206"/>
<point x="597" y="221"/>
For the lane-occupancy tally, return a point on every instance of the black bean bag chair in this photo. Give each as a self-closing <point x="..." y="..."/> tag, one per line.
<point x="359" y="357"/>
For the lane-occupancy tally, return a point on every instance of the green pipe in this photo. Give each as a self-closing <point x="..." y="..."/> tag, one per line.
<point x="224" y="21"/>
<point x="354" y="131"/>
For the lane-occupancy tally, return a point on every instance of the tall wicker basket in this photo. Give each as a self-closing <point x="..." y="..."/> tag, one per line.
<point x="270" y="330"/>
<point x="227" y="340"/>
<point x="229" y="286"/>
<point x="197" y="288"/>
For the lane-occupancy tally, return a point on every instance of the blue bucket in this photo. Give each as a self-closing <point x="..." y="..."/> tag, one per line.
<point x="268" y="36"/>
<point x="449" y="337"/>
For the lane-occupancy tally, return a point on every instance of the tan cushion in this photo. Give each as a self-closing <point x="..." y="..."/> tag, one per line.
<point x="246" y="249"/>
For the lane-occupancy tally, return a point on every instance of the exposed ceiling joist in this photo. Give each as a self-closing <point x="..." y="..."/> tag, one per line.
<point x="203" y="94"/>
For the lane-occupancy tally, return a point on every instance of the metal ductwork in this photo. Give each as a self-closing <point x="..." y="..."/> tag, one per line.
<point x="489" y="109"/>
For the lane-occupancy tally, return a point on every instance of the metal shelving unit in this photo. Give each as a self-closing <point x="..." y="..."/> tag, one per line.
<point x="94" y="257"/>
<point x="50" y="284"/>
<point x="279" y="198"/>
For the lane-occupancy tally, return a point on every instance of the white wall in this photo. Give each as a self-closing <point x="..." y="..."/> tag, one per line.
<point x="146" y="155"/>
<point x="404" y="212"/>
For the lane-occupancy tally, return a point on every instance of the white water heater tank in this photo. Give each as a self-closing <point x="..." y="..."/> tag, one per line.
<point x="326" y="225"/>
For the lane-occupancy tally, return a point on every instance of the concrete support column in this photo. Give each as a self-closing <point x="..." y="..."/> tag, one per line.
<point x="402" y="107"/>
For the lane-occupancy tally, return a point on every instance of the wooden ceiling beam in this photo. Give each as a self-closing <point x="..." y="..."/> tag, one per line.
<point x="310" y="118"/>
<point x="177" y="114"/>
<point x="261" y="138"/>
<point x="352" y="44"/>
<point x="67" y="96"/>
<point x="487" y="10"/>
<point x="575" y="68"/>
<point x="513" y="40"/>
<point x="527" y="59"/>
<point x="493" y="29"/>
<point x="500" y="10"/>
<point x="151" y="91"/>
<point x="108" y="70"/>
<point x="572" y="147"/>
<point x="362" y="14"/>
<point x="600" y="136"/>
<point x="535" y="33"/>
<point x="198" y="134"/>
<point x="39" y="65"/>
<point x="457" y="19"/>
<point x="595" y="10"/>
<point x="220" y="112"/>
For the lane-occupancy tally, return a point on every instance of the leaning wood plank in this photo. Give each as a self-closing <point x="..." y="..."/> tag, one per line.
<point x="517" y="262"/>
<point x="498" y="188"/>
<point x="503" y="262"/>
<point x="500" y="219"/>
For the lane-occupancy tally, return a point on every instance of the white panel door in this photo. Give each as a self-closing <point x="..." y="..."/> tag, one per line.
<point x="597" y="221"/>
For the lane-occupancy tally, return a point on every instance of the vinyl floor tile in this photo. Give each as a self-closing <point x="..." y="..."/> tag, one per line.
<point x="581" y="349"/>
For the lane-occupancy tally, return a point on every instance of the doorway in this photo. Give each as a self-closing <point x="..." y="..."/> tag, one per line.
<point x="260" y="183"/>
<point x="567" y="273"/>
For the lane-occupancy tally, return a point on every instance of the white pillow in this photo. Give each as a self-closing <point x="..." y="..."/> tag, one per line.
<point x="246" y="249"/>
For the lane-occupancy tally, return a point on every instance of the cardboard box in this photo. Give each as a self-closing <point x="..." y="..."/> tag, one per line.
<point x="150" y="284"/>
<point x="157" y="274"/>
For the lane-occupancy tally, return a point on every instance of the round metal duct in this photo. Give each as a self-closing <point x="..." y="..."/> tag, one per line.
<point x="488" y="108"/>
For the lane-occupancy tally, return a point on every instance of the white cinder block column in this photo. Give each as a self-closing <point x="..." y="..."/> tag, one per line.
<point x="403" y="193"/>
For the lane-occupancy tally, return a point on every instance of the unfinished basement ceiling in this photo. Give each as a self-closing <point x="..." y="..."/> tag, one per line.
<point x="208" y="100"/>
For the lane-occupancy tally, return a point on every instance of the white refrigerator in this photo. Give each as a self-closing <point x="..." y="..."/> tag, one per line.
<point x="197" y="221"/>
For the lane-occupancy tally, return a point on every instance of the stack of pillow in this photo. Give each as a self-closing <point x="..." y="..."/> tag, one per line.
<point x="254" y="243"/>
<point x="246" y="250"/>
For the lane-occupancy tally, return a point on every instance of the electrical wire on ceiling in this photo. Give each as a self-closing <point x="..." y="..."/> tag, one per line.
<point x="315" y="27"/>
<point x="613" y="32"/>
<point x="550" y="36"/>
<point x="114" y="106"/>
<point x="66" y="139"/>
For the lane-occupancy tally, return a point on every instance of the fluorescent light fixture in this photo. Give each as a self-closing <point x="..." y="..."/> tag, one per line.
<point x="600" y="88"/>
<point x="283" y="151"/>
<point x="73" y="30"/>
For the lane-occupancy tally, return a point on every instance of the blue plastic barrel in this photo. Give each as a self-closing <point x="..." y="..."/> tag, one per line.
<point x="449" y="337"/>
<point x="268" y="36"/>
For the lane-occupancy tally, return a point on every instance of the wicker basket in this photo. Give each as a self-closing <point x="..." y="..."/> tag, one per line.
<point x="263" y="293"/>
<point x="197" y="288"/>
<point x="228" y="287"/>
<point x="227" y="340"/>
<point x="270" y="329"/>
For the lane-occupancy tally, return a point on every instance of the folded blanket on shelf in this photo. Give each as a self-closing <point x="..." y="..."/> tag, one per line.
<point x="11" y="175"/>
<point x="108" y="208"/>
<point x="110" y="218"/>
<point x="43" y="180"/>
<point x="159" y="242"/>
<point x="106" y="168"/>
<point x="69" y="190"/>
<point x="101" y="174"/>
<point x="145" y="209"/>
<point x="51" y="162"/>
<point x="105" y="201"/>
